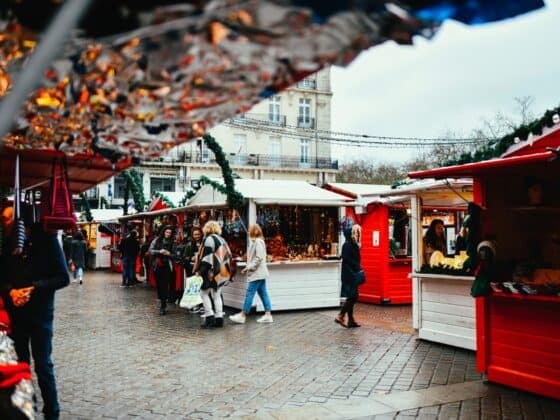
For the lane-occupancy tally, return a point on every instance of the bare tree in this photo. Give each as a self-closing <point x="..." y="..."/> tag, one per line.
<point x="367" y="172"/>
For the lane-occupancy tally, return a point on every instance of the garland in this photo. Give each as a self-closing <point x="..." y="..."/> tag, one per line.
<point x="233" y="197"/>
<point x="133" y="183"/>
<point x="104" y="204"/>
<point x="87" y="207"/>
<point x="188" y="195"/>
<point x="401" y="183"/>
<point x="126" y="197"/>
<point x="496" y="148"/>
<point x="164" y="198"/>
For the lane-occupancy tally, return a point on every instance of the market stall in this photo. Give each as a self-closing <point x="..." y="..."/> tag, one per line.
<point x="101" y="235"/>
<point x="300" y="224"/>
<point x="441" y="308"/>
<point x="518" y="314"/>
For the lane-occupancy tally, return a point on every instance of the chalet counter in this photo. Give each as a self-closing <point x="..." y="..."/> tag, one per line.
<point x="292" y="285"/>
<point x="443" y="310"/>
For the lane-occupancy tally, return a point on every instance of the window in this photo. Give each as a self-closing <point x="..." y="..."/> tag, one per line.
<point x="240" y="149"/>
<point x="120" y="184"/>
<point x="307" y="83"/>
<point x="304" y="115"/>
<point x="275" y="151"/>
<point x="304" y="152"/>
<point x="274" y="110"/>
<point x="161" y="184"/>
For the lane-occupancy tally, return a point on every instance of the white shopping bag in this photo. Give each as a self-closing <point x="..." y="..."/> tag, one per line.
<point x="191" y="296"/>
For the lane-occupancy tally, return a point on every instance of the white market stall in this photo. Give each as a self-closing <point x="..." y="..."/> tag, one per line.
<point x="306" y="272"/>
<point x="442" y="308"/>
<point x="100" y="241"/>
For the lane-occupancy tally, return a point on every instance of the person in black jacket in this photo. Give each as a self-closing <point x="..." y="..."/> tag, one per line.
<point x="129" y="247"/>
<point x="162" y="251"/>
<point x="28" y="290"/>
<point x="78" y="255"/>
<point x="350" y="266"/>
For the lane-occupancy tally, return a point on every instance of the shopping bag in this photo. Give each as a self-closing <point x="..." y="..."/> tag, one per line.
<point x="191" y="296"/>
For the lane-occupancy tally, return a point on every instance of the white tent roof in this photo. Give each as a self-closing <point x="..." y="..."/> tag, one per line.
<point x="104" y="215"/>
<point x="434" y="192"/>
<point x="357" y="190"/>
<point x="264" y="191"/>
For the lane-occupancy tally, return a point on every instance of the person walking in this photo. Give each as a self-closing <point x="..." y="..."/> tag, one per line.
<point x="161" y="251"/>
<point x="257" y="274"/>
<point x="129" y="248"/>
<point x="350" y="266"/>
<point x="213" y="264"/>
<point x="78" y="253"/>
<point x="28" y="291"/>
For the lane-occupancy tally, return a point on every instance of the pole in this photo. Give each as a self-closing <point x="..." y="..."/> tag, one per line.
<point x="65" y="20"/>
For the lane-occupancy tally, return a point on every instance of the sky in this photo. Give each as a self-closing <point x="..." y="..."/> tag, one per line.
<point x="450" y="82"/>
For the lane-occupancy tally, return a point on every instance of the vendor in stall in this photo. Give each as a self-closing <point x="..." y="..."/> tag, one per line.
<point x="434" y="240"/>
<point x="277" y="249"/>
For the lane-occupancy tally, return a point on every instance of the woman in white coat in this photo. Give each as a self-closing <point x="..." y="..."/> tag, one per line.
<point x="257" y="274"/>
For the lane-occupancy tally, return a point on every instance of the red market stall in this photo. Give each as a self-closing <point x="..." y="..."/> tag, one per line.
<point x="387" y="222"/>
<point x="518" y="320"/>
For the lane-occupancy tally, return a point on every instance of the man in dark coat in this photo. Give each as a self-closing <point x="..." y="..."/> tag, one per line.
<point x="129" y="247"/>
<point x="28" y="290"/>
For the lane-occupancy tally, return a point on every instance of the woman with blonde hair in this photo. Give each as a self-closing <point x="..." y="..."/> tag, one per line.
<point x="213" y="264"/>
<point x="257" y="273"/>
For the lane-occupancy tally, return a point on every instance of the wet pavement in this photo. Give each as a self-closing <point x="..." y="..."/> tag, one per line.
<point x="115" y="357"/>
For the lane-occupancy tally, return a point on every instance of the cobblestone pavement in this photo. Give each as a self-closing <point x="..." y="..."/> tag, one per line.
<point x="116" y="357"/>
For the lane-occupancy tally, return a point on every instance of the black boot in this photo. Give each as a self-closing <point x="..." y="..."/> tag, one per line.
<point x="163" y="308"/>
<point x="218" y="322"/>
<point x="208" y="322"/>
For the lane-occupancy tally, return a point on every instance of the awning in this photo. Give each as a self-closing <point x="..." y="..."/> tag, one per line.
<point x="515" y="164"/>
<point x="84" y="172"/>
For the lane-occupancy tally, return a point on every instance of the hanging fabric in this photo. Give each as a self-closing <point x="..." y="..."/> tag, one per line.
<point x="61" y="209"/>
<point x="19" y="226"/>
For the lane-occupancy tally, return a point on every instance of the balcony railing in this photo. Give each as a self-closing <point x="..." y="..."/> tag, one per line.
<point x="303" y="122"/>
<point x="307" y="84"/>
<point x="265" y="119"/>
<point x="274" y="161"/>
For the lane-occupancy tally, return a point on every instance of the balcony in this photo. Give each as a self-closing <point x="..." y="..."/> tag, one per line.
<point x="304" y="122"/>
<point x="276" y="120"/>
<point x="273" y="161"/>
<point x="307" y="84"/>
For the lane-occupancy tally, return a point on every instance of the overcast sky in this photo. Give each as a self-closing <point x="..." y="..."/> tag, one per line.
<point x="452" y="81"/>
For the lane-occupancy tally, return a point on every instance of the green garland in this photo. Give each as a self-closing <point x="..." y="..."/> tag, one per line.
<point x="133" y="183"/>
<point x="164" y="198"/>
<point x="234" y="197"/>
<point x="496" y="148"/>
<point x="188" y="195"/>
<point x="87" y="207"/>
<point x="401" y="183"/>
<point x="104" y="204"/>
<point x="126" y="197"/>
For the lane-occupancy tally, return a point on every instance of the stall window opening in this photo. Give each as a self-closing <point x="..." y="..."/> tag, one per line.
<point x="400" y="234"/>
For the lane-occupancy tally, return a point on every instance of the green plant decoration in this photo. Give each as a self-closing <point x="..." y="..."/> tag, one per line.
<point x="234" y="197"/>
<point x="164" y="198"/>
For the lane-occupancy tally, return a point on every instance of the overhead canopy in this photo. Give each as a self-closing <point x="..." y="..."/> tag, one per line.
<point x="137" y="90"/>
<point x="357" y="190"/>
<point x="84" y="171"/>
<point x="434" y="193"/>
<point x="104" y="215"/>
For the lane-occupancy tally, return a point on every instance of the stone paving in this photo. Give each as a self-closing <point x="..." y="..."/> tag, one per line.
<point x="115" y="357"/>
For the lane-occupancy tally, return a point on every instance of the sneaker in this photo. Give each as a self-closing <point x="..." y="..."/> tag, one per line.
<point x="237" y="318"/>
<point x="265" y="319"/>
<point x="122" y="285"/>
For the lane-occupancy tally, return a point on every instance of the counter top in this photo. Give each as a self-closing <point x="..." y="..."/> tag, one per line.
<point x="539" y="298"/>
<point x="279" y="263"/>
<point x="441" y="276"/>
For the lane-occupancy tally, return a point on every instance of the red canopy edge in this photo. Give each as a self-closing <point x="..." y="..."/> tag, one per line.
<point x="84" y="171"/>
<point x="480" y="168"/>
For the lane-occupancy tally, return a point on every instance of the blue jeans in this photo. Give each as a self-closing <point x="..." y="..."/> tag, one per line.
<point x="78" y="273"/>
<point x="39" y="332"/>
<point x="129" y="271"/>
<point x="256" y="286"/>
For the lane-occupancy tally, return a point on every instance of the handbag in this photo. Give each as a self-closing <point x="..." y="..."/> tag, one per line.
<point x="359" y="277"/>
<point x="191" y="295"/>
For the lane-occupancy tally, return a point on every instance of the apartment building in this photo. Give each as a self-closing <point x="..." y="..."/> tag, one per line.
<point x="277" y="139"/>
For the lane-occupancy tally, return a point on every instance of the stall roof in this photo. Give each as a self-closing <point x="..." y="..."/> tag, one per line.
<point x="265" y="191"/>
<point x="84" y="171"/>
<point x="104" y="215"/>
<point x="434" y="192"/>
<point x="506" y="165"/>
<point x="357" y="190"/>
